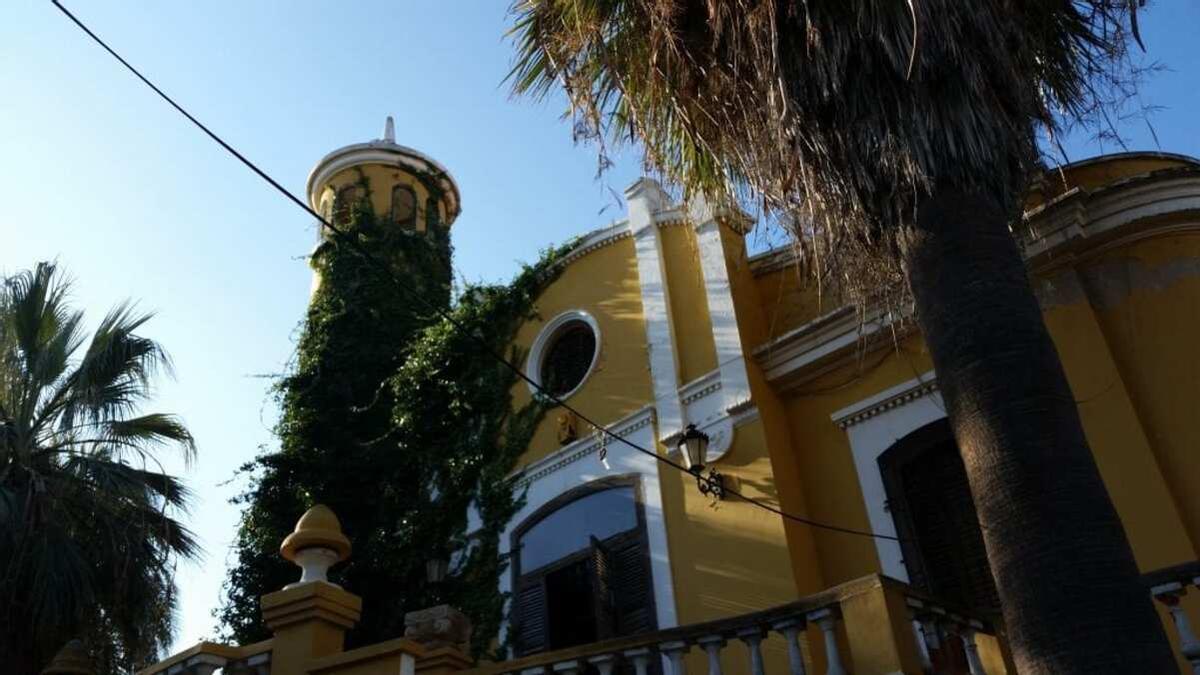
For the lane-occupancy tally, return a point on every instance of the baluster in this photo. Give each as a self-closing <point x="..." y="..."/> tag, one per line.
<point x="826" y="619"/>
<point x="916" y="609"/>
<point x="640" y="658"/>
<point x="967" y="635"/>
<point x="712" y="644"/>
<point x="571" y="667"/>
<point x="753" y="638"/>
<point x="790" y="629"/>
<point x="675" y="651"/>
<point x="1169" y="595"/>
<point x="604" y="663"/>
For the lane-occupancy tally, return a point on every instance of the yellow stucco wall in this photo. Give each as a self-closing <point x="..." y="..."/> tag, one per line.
<point x="1147" y="302"/>
<point x="603" y="283"/>
<point x="788" y="300"/>
<point x="826" y="465"/>
<point x="696" y="352"/>
<point x="1124" y="321"/>
<point x="381" y="179"/>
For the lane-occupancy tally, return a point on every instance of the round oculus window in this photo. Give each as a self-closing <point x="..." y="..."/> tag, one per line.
<point x="568" y="358"/>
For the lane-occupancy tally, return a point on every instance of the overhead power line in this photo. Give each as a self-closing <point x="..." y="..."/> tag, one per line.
<point x="345" y="238"/>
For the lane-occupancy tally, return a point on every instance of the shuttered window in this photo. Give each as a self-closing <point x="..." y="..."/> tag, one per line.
<point x="930" y="499"/>
<point x="590" y="577"/>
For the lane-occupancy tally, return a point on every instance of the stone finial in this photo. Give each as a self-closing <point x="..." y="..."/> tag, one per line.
<point x="316" y="544"/>
<point x="441" y="626"/>
<point x="389" y="130"/>
<point x="72" y="659"/>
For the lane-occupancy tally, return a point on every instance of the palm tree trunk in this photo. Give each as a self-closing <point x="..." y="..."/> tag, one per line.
<point x="1069" y="586"/>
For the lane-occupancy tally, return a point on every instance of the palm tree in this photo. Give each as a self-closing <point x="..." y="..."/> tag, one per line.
<point x="87" y="537"/>
<point x="902" y="134"/>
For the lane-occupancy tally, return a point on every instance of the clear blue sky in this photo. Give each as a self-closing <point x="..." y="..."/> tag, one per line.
<point x="99" y="174"/>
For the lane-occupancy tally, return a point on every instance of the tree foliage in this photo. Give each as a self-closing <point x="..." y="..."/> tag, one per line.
<point x="88" y="537"/>
<point x="400" y="423"/>
<point x="841" y="115"/>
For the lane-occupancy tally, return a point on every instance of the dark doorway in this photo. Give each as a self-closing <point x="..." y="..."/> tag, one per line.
<point x="930" y="500"/>
<point x="569" y="605"/>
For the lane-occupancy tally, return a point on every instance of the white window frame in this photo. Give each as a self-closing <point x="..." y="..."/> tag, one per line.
<point x="545" y="340"/>
<point x="873" y="425"/>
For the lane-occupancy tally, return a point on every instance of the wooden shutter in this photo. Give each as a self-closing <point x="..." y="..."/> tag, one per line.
<point x="631" y="588"/>
<point x="529" y="625"/>
<point x="930" y="500"/>
<point x="602" y="594"/>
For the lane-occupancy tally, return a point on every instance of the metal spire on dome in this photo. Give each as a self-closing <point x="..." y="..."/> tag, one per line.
<point x="389" y="130"/>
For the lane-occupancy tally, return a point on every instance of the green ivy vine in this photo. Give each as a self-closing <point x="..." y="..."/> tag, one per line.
<point x="400" y="423"/>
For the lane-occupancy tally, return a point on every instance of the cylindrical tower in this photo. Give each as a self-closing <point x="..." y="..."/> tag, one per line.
<point x="410" y="198"/>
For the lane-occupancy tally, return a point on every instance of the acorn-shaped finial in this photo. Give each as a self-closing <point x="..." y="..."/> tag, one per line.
<point x="72" y="659"/>
<point x="316" y="544"/>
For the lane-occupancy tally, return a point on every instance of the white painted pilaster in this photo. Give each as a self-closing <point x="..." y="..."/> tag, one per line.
<point x="714" y="263"/>
<point x="645" y="198"/>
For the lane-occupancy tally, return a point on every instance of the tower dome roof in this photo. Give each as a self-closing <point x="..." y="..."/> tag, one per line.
<point x="387" y="152"/>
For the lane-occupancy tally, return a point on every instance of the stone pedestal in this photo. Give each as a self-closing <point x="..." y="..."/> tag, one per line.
<point x="445" y="633"/>
<point x="441" y="626"/>
<point x="309" y="621"/>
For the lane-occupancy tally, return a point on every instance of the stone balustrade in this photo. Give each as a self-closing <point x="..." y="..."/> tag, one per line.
<point x="873" y="623"/>
<point x="1168" y="587"/>
<point x="940" y="633"/>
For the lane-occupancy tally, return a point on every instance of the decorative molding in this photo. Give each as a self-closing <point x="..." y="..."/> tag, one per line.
<point x="772" y="260"/>
<point x="825" y="343"/>
<point x="706" y="384"/>
<point x="594" y="241"/>
<point x="1084" y="223"/>
<point x="545" y="337"/>
<point x="885" y="401"/>
<point x="583" y="447"/>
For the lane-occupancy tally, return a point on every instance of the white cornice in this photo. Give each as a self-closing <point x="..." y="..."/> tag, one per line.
<point x="596" y="239"/>
<point x="381" y="152"/>
<point x="827" y="342"/>
<point x="706" y="384"/>
<point x="585" y="446"/>
<point x="886" y="400"/>
<point x="1077" y="224"/>
<point x="1085" y="222"/>
<point x="774" y="259"/>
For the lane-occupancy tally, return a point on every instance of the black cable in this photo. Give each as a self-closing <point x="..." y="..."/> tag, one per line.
<point x="361" y="250"/>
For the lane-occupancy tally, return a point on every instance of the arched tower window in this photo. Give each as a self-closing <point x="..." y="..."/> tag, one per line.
<point x="582" y="569"/>
<point x="343" y="205"/>
<point x="404" y="207"/>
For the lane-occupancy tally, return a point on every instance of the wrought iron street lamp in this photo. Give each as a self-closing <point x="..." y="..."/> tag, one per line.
<point x="693" y="445"/>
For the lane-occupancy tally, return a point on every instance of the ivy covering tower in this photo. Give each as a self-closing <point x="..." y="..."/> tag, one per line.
<point x="393" y="417"/>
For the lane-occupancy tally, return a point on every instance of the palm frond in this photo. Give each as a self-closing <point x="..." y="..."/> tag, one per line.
<point x="88" y="538"/>
<point x="842" y="113"/>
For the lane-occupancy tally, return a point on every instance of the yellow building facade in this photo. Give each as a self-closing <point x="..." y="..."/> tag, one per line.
<point x="662" y="320"/>
<point x="809" y="405"/>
